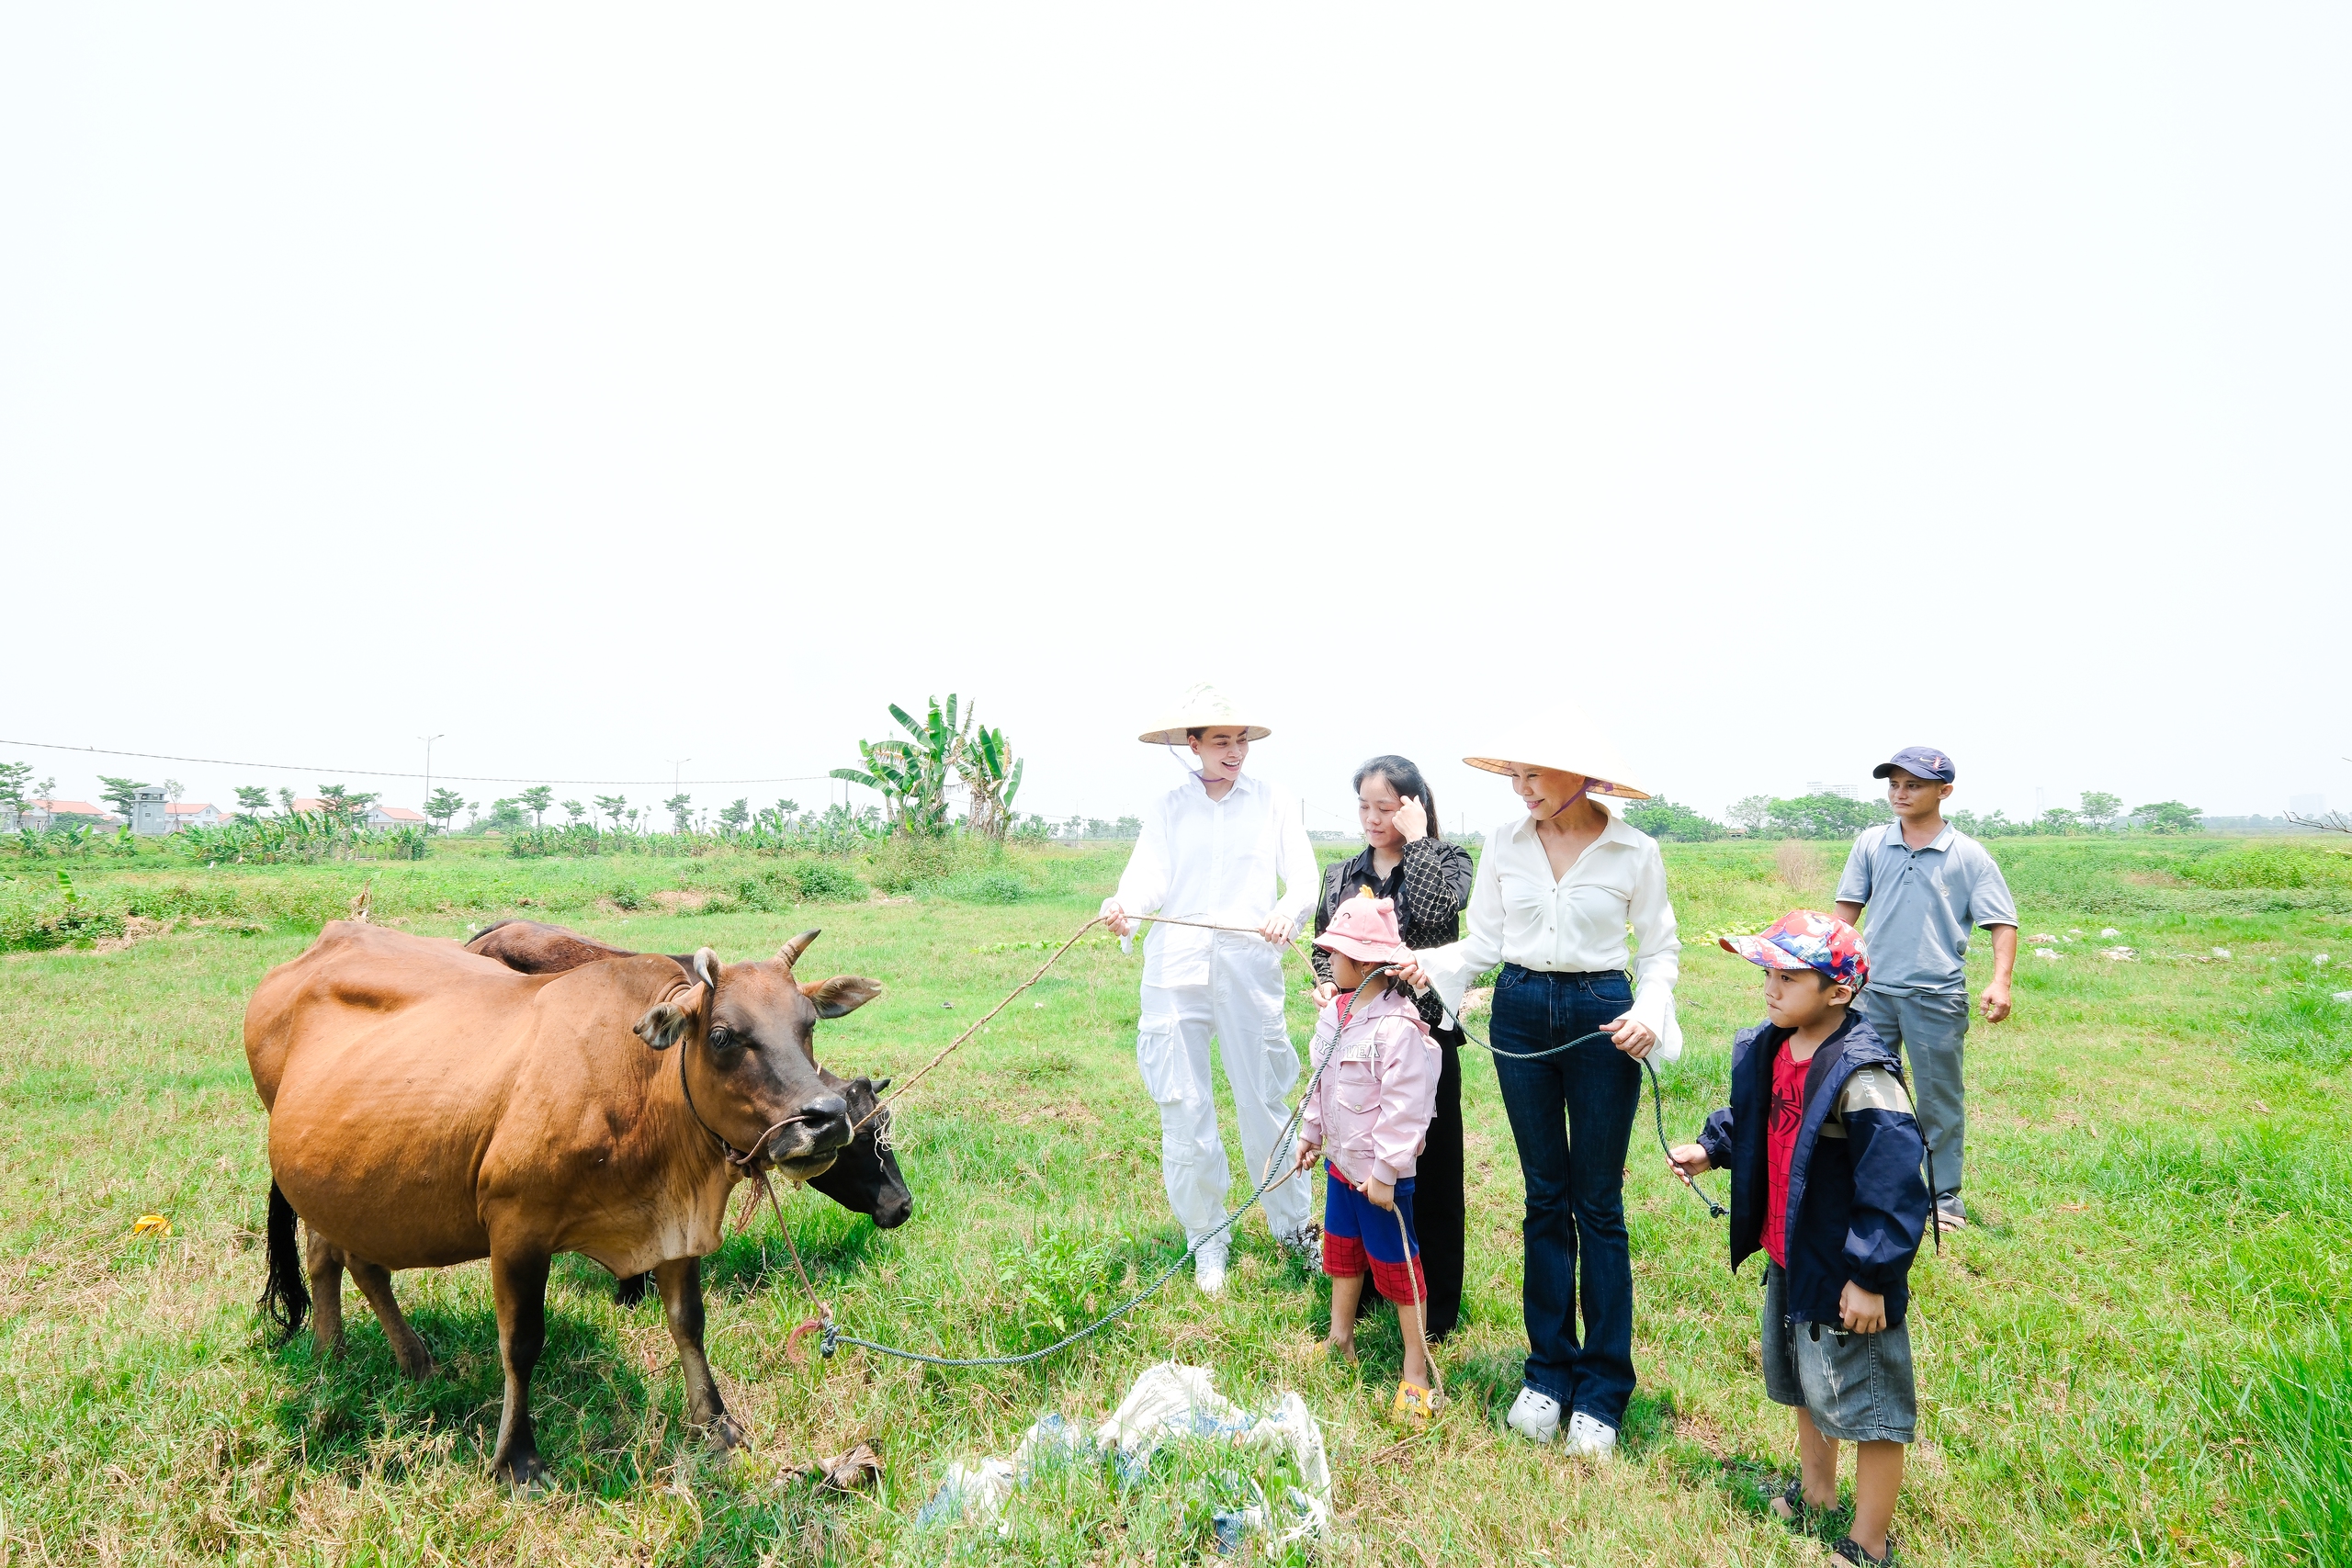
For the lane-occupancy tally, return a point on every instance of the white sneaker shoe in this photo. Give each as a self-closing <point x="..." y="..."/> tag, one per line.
<point x="1208" y="1271"/>
<point x="1589" y="1438"/>
<point x="1535" y="1416"/>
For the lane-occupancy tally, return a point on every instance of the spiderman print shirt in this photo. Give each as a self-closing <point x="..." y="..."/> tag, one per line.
<point x="1781" y="1147"/>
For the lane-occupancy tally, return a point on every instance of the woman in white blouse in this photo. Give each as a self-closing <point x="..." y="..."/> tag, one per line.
<point x="1555" y="892"/>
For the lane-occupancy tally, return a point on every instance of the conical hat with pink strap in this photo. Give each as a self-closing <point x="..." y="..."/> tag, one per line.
<point x="1549" y="733"/>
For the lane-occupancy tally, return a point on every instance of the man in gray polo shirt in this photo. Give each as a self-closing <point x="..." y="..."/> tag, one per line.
<point x="1924" y="884"/>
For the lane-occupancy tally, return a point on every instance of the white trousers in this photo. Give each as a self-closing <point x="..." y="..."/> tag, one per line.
<point x="1242" y="1007"/>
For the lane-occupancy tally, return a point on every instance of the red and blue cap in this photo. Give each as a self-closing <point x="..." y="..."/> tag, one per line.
<point x="1807" y="939"/>
<point x="1920" y="762"/>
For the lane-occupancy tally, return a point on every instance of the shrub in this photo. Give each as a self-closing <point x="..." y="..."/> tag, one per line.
<point x="984" y="888"/>
<point x="827" y="882"/>
<point x="626" y="895"/>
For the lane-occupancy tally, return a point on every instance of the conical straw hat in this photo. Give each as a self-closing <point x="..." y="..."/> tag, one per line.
<point x="1202" y="707"/>
<point x="1559" y="736"/>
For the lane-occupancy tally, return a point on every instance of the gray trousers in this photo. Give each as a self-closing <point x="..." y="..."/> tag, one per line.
<point x="1929" y="1030"/>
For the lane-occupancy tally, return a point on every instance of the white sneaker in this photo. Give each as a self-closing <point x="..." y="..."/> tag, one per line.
<point x="1208" y="1271"/>
<point x="1535" y="1416"/>
<point x="1589" y="1438"/>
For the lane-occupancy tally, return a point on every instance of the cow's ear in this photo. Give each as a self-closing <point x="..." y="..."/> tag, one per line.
<point x="667" y="1023"/>
<point x="842" y="993"/>
<point x="789" y="953"/>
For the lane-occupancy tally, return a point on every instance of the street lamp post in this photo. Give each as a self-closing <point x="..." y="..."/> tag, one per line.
<point x="428" y="740"/>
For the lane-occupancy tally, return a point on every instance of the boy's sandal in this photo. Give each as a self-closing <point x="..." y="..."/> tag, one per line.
<point x="1791" y="1508"/>
<point x="1847" y="1554"/>
<point x="1413" y="1408"/>
<point x="1327" y="1354"/>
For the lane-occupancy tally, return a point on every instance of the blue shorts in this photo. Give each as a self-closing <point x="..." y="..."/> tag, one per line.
<point x="1358" y="1235"/>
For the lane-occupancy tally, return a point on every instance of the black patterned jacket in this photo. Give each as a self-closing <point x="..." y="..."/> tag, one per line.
<point x="1431" y="886"/>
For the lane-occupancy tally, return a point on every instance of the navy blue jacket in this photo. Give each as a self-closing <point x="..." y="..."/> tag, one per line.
<point x="1858" y="1205"/>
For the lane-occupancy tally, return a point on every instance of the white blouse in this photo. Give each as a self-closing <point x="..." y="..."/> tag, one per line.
<point x="1520" y="914"/>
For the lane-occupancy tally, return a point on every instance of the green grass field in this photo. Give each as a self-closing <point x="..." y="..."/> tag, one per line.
<point x="2139" y="1353"/>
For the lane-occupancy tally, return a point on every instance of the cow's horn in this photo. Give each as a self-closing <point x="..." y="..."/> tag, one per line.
<point x="791" y="951"/>
<point x="706" y="967"/>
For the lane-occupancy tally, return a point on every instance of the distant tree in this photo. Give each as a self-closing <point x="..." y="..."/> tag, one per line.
<point x="253" y="799"/>
<point x="2169" y="816"/>
<point x="789" y="807"/>
<point x="678" y="806"/>
<point x="1034" y="829"/>
<point x="172" y="790"/>
<point x="577" y="811"/>
<point x="612" y="806"/>
<point x="736" y="815"/>
<point x="535" y="800"/>
<point x="2099" y="811"/>
<point x="120" y="793"/>
<point x="443" y="804"/>
<point x="1127" y="828"/>
<point x="1678" y="824"/>
<point x="344" y="805"/>
<point x="15" y="784"/>
<point x="992" y="776"/>
<point x="2061" y="819"/>
<point x="285" y="800"/>
<point x="1751" y="812"/>
<point x="473" y="813"/>
<point x="1825" y="816"/>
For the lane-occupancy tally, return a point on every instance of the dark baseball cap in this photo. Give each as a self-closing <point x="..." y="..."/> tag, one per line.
<point x="1920" y="762"/>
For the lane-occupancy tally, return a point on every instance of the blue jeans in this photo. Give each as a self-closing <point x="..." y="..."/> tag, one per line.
<point x="1572" y="1115"/>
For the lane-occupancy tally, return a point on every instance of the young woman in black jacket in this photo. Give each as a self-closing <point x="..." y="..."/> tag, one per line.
<point x="1404" y="860"/>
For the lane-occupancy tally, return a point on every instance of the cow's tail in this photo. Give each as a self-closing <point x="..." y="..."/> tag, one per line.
<point x="284" y="1297"/>
<point x="631" y="1291"/>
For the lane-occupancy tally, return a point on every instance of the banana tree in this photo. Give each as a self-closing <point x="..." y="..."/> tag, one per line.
<point x="993" y="775"/>
<point x="912" y="775"/>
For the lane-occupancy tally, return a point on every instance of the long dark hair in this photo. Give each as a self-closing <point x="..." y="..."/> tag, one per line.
<point x="1406" y="780"/>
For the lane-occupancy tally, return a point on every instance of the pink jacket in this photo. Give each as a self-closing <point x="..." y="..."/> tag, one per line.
<point x="1373" y="1102"/>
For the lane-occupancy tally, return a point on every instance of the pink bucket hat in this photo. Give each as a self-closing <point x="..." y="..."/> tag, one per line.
<point x="1365" y="929"/>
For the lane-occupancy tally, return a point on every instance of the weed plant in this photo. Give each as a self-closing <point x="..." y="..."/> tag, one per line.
<point x="2136" y="1353"/>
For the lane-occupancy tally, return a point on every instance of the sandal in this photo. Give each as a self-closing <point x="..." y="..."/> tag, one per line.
<point x="1847" y="1554"/>
<point x="1791" y="1508"/>
<point x="1413" y="1408"/>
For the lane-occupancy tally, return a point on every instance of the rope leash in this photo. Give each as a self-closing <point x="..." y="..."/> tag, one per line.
<point x="831" y="1338"/>
<point x="1051" y="959"/>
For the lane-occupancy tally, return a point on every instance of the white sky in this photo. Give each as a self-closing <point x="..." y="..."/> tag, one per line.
<point x="601" y="387"/>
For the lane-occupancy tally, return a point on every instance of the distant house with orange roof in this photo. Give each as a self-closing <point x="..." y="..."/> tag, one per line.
<point x="374" y="816"/>
<point x="194" y="814"/>
<point x="42" y="814"/>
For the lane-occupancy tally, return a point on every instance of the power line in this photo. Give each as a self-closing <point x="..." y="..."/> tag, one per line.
<point x="386" y="774"/>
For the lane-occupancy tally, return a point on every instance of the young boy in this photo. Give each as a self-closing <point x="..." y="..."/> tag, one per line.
<point x="1823" y="1154"/>
<point x="1925" y="883"/>
<point x="1370" y="1106"/>
<point x="1212" y="850"/>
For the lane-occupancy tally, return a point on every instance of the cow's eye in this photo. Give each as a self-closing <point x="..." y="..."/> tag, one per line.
<point x="722" y="1038"/>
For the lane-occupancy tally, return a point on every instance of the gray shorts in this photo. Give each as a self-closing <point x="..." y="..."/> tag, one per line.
<point x="1858" y="1386"/>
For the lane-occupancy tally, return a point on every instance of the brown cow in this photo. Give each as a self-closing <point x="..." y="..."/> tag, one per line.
<point x="429" y="1107"/>
<point x="865" y="1177"/>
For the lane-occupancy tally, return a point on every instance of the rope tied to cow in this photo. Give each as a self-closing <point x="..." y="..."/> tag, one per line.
<point x="831" y="1337"/>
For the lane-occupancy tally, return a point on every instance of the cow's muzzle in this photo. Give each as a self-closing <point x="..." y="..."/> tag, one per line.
<point x="820" y="1131"/>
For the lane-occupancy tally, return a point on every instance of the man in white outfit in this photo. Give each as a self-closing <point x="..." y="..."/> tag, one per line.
<point x="1212" y="850"/>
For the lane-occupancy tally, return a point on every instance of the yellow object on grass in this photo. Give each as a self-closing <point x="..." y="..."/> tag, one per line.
<point x="151" y="1224"/>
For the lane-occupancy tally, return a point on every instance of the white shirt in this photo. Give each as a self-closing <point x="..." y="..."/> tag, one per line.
<point x="1216" y="859"/>
<point x="1519" y="914"/>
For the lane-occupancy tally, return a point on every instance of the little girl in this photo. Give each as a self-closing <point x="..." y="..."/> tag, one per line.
<point x="1371" y="1105"/>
